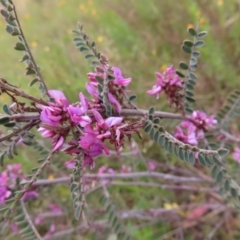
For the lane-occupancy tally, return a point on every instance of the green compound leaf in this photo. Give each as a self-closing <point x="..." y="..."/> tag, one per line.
<point x="19" y="46"/>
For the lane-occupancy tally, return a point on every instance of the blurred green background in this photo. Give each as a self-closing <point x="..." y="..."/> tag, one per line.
<point x="140" y="37"/>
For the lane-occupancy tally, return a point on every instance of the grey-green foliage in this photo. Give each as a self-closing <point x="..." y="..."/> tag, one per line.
<point x="85" y="46"/>
<point x="188" y="153"/>
<point x="113" y="219"/>
<point x="13" y="27"/>
<point x="190" y="47"/>
<point x="230" y="110"/>
<point x="25" y="224"/>
<point x="77" y="190"/>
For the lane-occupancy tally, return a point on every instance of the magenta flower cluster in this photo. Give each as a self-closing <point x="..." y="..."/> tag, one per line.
<point x="8" y="179"/>
<point x="170" y="84"/>
<point x="192" y="130"/>
<point x="60" y="119"/>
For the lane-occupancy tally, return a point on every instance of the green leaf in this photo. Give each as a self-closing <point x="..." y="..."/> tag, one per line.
<point x="222" y="152"/>
<point x="192" y="31"/>
<point x="183" y="66"/>
<point x="194" y="67"/>
<point x="24" y="58"/>
<point x="196" y="54"/>
<point x="190" y="99"/>
<point x="191" y="158"/>
<point x="151" y="111"/>
<point x="30" y="71"/>
<point x="89" y="56"/>
<point x="199" y="43"/>
<point x="186" y="49"/>
<point x="6" y="109"/>
<point x="192" y="76"/>
<point x="193" y="61"/>
<point x="226" y="185"/>
<point x="132" y="98"/>
<point x="180" y="74"/>
<point x="188" y="43"/>
<point x="19" y="46"/>
<point x="83" y="49"/>
<point x="33" y="81"/>
<point x="4" y="120"/>
<point x="161" y="140"/>
<point x="202" y="34"/>
<point x="4" y="13"/>
<point x="9" y="29"/>
<point x="3" y="2"/>
<point x="148" y="128"/>
<point x="219" y="177"/>
<point x="202" y="159"/>
<point x="10" y="124"/>
<point x="214" y="171"/>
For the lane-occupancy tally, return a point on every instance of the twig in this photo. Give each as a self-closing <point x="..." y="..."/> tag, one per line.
<point x="38" y="73"/>
<point x="122" y="176"/>
<point x="6" y="87"/>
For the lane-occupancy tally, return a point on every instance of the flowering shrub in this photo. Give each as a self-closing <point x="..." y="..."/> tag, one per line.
<point x="104" y="124"/>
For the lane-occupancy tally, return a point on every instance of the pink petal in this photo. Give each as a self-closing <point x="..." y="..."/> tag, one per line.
<point x="59" y="143"/>
<point x="111" y="121"/>
<point x="114" y="101"/>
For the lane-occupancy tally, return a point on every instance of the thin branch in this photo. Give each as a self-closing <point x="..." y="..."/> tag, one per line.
<point x="123" y="176"/>
<point x="38" y="73"/>
<point x="4" y="86"/>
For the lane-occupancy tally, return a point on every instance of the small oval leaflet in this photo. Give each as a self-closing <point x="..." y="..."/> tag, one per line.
<point x="132" y="98"/>
<point x="183" y="65"/>
<point x="186" y="49"/>
<point x="199" y="43"/>
<point x="202" y="34"/>
<point x="19" y="46"/>
<point x="192" y="31"/>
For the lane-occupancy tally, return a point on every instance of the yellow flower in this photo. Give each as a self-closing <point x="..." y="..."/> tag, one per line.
<point x="190" y="26"/>
<point x="34" y="44"/>
<point x="201" y="20"/>
<point x="93" y="12"/>
<point x="170" y="206"/>
<point x="47" y="49"/>
<point x="90" y="2"/>
<point x="163" y="67"/>
<point x="81" y="7"/>
<point x="220" y="2"/>
<point x="100" y="39"/>
<point x="69" y="31"/>
<point x="50" y="177"/>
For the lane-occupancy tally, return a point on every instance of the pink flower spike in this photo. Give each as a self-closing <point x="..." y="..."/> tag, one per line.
<point x="59" y="143"/>
<point x="114" y="101"/>
<point x="111" y="121"/>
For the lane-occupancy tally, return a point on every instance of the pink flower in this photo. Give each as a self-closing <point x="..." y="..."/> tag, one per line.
<point x="4" y="192"/>
<point x="57" y="142"/>
<point x="202" y="121"/>
<point x="119" y="79"/>
<point x="186" y="134"/>
<point x="236" y="154"/>
<point x="170" y="84"/>
<point x="70" y="164"/>
<point x="115" y="102"/>
<point x="76" y="116"/>
<point x="59" y="98"/>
